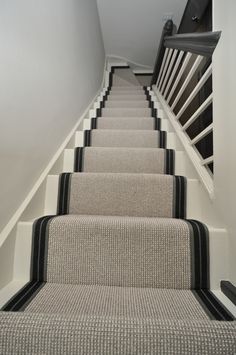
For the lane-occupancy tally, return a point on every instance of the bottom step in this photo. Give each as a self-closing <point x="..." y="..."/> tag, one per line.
<point x="58" y="334"/>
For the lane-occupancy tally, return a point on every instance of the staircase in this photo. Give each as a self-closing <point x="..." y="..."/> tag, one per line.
<point x="119" y="269"/>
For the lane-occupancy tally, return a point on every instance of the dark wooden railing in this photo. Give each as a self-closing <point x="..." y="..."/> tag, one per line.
<point x="183" y="81"/>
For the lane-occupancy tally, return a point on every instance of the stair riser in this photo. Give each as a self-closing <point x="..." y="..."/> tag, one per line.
<point x="131" y="88"/>
<point x="125" y="138"/>
<point x="127" y="112"/>
<point x="182" y="166"/>
<point x="127" y="92"/>
<point x="121" y="160"/>
<point x="128" y="252"/>
<point x="218" y="251"/>
<point x="128" y="104"/>
<point x="123" y="195"/>
<point x="133" y="123"/>
<point x="134" y="97"/>
<point x="172" y="141"/>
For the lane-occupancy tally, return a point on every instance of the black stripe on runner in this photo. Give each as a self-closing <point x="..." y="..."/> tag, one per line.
<point x="229" y="290"/>
<point x="169" y="161"/>
<point x="63" y="194"/>
<point x="79" y="155"/>
<point x="151" y="103"/>
<point x="201" y="270"/>
<point x="180" y="184"/>
<point x="200" y="255"/>
<point x="99" y="111"/>
<point x="162" y="139"/>
<point x="154" y="112"/>
<point x="215" y="309"/>
<point x="105" y="98"/>
<point x="38" y="267"/>
<point x="87" y="138"/>
<point x="94" y="123"/>
<point x="157" y="123"/>
<point x="21" y="299"/>
<point x="113" y="68"/>
<point x="39" y="248"/>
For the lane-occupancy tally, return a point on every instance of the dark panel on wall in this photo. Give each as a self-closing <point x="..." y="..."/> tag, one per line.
<point x="197" y="17"/>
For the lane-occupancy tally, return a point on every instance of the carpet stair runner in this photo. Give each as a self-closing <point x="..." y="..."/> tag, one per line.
<point x="119" y="269"/>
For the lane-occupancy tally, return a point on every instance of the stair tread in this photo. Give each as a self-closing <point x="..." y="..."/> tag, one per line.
<point x="134" y="244"/>
<point x="113" y="112"/>
<point x="125" y="160"/>
<point x="124" y="76"/>
<point x="125" y="138"/>
<point x="39" y="332"/>
<point x="128" y="123"/>
<point x="127" y="104"/>
<point x="120" y="97"/>
<point x="111" y="301"/>
<point x="149" y="195"/>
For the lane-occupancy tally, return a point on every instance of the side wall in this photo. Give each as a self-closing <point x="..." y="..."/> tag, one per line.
<point x="51" y="67"/>
<point x="132" y="28"/>
<point x="224" y="86"/>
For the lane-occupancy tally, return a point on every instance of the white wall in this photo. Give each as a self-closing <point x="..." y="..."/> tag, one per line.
<point x="224" y="81"/>
<point x="51" y="66"/>
<point x="132" y="28"/>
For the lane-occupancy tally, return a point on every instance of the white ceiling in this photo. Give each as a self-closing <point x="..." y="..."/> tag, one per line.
<point x="132" y="28"/>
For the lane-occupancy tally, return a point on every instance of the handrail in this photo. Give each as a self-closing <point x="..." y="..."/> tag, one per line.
<point x="198" y="43"/>
<point x="167" y="31"/>
<point x="184" y="87"/>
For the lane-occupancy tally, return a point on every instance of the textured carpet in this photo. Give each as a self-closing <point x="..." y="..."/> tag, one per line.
<point x="124" y="160"/>
<point x="128" y="104"/>
<point x="128" y="112"/>
<point x="120" y="97"/>
<point x="57" y="334"/>
<point x="143" y="195"/>
<point x="119" y="270"/>
<point x="125" y="138"/>
<point x="126" y="123"/>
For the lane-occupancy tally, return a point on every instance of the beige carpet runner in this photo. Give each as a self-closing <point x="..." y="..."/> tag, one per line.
<point x="119" y="270"/>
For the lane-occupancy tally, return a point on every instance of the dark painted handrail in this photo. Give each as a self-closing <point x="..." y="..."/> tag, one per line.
<point x="167" y="31"/>
<point x="199" y="43"/>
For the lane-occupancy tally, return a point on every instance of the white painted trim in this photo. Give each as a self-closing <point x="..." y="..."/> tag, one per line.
<point x="10" y="290"/>
<point x="164" y="66"/>
<point x="143" y="71"/>
<point x="198" y="112"/>
<point x="194" y="157"/>
<point x="208" y="160"/>
<point x="203" y="134"/>
<point x="181" y="53"/>
<point x="182" y="69"/>
<point x="129" y="61"/>
<point x="187" y="80"/>
<point x="197" y="88"/>
<point x="169" y="70"/>
<point x="226" y="301"/>
<point x="16" y="217"/>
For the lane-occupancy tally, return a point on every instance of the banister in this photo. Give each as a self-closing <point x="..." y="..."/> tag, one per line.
<point x="181" y="77"/>
<point x="167" y="31"/>
<point x="198" y="43"/>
